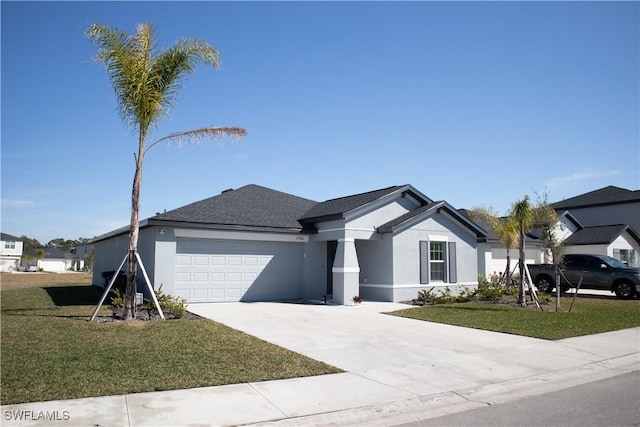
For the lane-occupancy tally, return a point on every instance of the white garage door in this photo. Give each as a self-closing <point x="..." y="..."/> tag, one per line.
<point x="223" y="270"/>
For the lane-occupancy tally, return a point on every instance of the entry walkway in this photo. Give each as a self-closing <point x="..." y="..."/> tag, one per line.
<point x="397" y="370"/>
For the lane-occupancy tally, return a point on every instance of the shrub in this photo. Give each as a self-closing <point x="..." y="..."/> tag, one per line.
<point x="357" y="299"/>
<point x="489" y="289"/>
<point x="118" y="298"/>
<point x="426" y="296"/>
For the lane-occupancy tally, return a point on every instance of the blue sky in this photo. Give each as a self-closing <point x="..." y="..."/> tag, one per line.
<point x="472" y="103"/>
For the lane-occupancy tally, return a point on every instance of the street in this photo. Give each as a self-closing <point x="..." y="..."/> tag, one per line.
<point x="613" y="401"/>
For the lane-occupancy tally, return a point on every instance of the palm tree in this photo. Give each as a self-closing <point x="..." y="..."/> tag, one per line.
<point x="505" y="228"/>
<point x="146" y="83"/>
<point x="524" y="215"/>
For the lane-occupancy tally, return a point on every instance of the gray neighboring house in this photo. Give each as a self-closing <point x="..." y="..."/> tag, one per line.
<point x="604" y="221"/>
<point x="259" y="244"/>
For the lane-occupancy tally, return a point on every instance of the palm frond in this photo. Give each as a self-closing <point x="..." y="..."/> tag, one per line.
<point x="200" y="135"/>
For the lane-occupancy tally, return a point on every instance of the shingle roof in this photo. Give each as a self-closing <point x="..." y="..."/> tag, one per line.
<point x="600" y="235"/>
<point x="604" y="196"/>
<point x="51" y="253"/>
<point x="8" y="237"/>
<point x="249" y="206"/>
<point x="337" y="207"/>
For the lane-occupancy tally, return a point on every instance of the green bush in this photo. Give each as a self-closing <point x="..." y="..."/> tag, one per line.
<point x="174" y="305"/>
<point x="118" y="298"/>
<point x="489" y="289"/>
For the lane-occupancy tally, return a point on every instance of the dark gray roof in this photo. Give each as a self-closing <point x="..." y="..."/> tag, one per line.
<point x="249" y="206"/>
<point x="600" y="235"/>
<point x="604" y="196"/>
<point x="336" y="208"/>
<point x="8" y="237"/>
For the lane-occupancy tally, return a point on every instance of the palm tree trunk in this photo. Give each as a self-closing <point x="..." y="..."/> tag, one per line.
<point x="508" y="272"/>
<point x="521" y="266"/>
<point x="132" y="265"/>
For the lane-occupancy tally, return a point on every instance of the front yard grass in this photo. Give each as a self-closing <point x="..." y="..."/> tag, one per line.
<point x="50" y="350"/>
<point x="590" y="315"/>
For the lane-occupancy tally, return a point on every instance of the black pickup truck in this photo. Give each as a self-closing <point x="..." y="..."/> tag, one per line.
<point x="597" y="272"/>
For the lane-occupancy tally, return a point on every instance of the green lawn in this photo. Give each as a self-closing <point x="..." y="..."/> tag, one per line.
<point x="589" y="316"/>
<point x="51" y="351"/>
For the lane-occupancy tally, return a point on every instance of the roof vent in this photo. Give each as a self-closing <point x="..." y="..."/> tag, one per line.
<point x="227" y="190"/>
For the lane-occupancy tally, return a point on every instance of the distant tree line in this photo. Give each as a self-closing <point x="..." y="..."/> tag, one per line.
<point x="66" y="245"/>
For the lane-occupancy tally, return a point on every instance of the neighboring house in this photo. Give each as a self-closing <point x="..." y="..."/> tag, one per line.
<point x="604" y="221"/>
<point x="83" y="254"/>
<point x="606" y="206"/>
<point x="258" y="244"/>
<point x="10" y="252"/>
<point x="620" y="241"/>
<point x="55" y="260"/>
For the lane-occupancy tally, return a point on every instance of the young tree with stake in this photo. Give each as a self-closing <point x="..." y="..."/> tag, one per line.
<point x="146" y="82"/>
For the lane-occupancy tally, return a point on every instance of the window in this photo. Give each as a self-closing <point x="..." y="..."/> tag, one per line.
<point x="438" y="262"/>
<point x="9" y="244"/>
<point x="437" y="257"/>
<point x="628" y="256"/>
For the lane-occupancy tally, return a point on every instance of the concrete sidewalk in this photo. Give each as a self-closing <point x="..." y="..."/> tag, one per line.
<point x="397" y="370"/>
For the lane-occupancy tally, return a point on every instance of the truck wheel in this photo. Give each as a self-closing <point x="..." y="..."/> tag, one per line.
<point x="624" y="290"/>
<point x="545" y="284"/>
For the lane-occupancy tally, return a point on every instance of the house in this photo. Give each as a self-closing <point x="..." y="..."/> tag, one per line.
<point x="10" y="252"/>
<point x="53" y="260"/>
<point x="604" y="221"/>
<point x="258" y="244"/>
<point x="620" y="241"/>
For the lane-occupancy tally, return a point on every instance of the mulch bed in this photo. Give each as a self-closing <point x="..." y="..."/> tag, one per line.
<point x="144" y="315"/>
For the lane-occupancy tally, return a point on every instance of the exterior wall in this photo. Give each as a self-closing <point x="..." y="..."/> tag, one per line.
<point x="376" y="268"/>
<point x="370" y="220"/>
<point x="498" y="261"/>
<point x="625" y="241"/>
<point x="108" y="256"/>
<point x="624" y="213"/>
<point x="585" y="249"/>
<point x="391" y="265"/>
<point x="55" y="265"/>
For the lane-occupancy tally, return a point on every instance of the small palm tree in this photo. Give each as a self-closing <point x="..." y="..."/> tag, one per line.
<point x="146" y="83"/>
<point x="505" y="228"/>
<point x="523" y="213"/>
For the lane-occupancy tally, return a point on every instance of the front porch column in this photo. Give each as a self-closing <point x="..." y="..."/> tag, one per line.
<point x="346" y="272"/>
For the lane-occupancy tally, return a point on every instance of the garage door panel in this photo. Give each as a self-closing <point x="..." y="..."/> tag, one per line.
<point x="217" y="270"/>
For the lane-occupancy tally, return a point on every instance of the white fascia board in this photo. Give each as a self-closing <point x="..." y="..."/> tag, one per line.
<point x="239" y="235"/>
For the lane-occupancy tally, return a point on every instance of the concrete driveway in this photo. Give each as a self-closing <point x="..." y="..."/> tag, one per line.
<point x="398" y="371"/>
<point x="413" y="357"/>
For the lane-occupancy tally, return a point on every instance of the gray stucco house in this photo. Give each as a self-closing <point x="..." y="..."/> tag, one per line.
<point x="258" y="244"/>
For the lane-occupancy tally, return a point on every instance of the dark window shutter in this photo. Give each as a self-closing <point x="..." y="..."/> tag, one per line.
<point x="424" y="261"/>
<point x="453" y="276"/>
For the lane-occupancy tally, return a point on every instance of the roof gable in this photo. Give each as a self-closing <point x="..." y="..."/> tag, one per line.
<point x="604" y="196"/>
<point x="599" y="235"/>
<point x="248" y="206"/>
<point x="426" y="211"/>
<point x="338" y="208"/>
